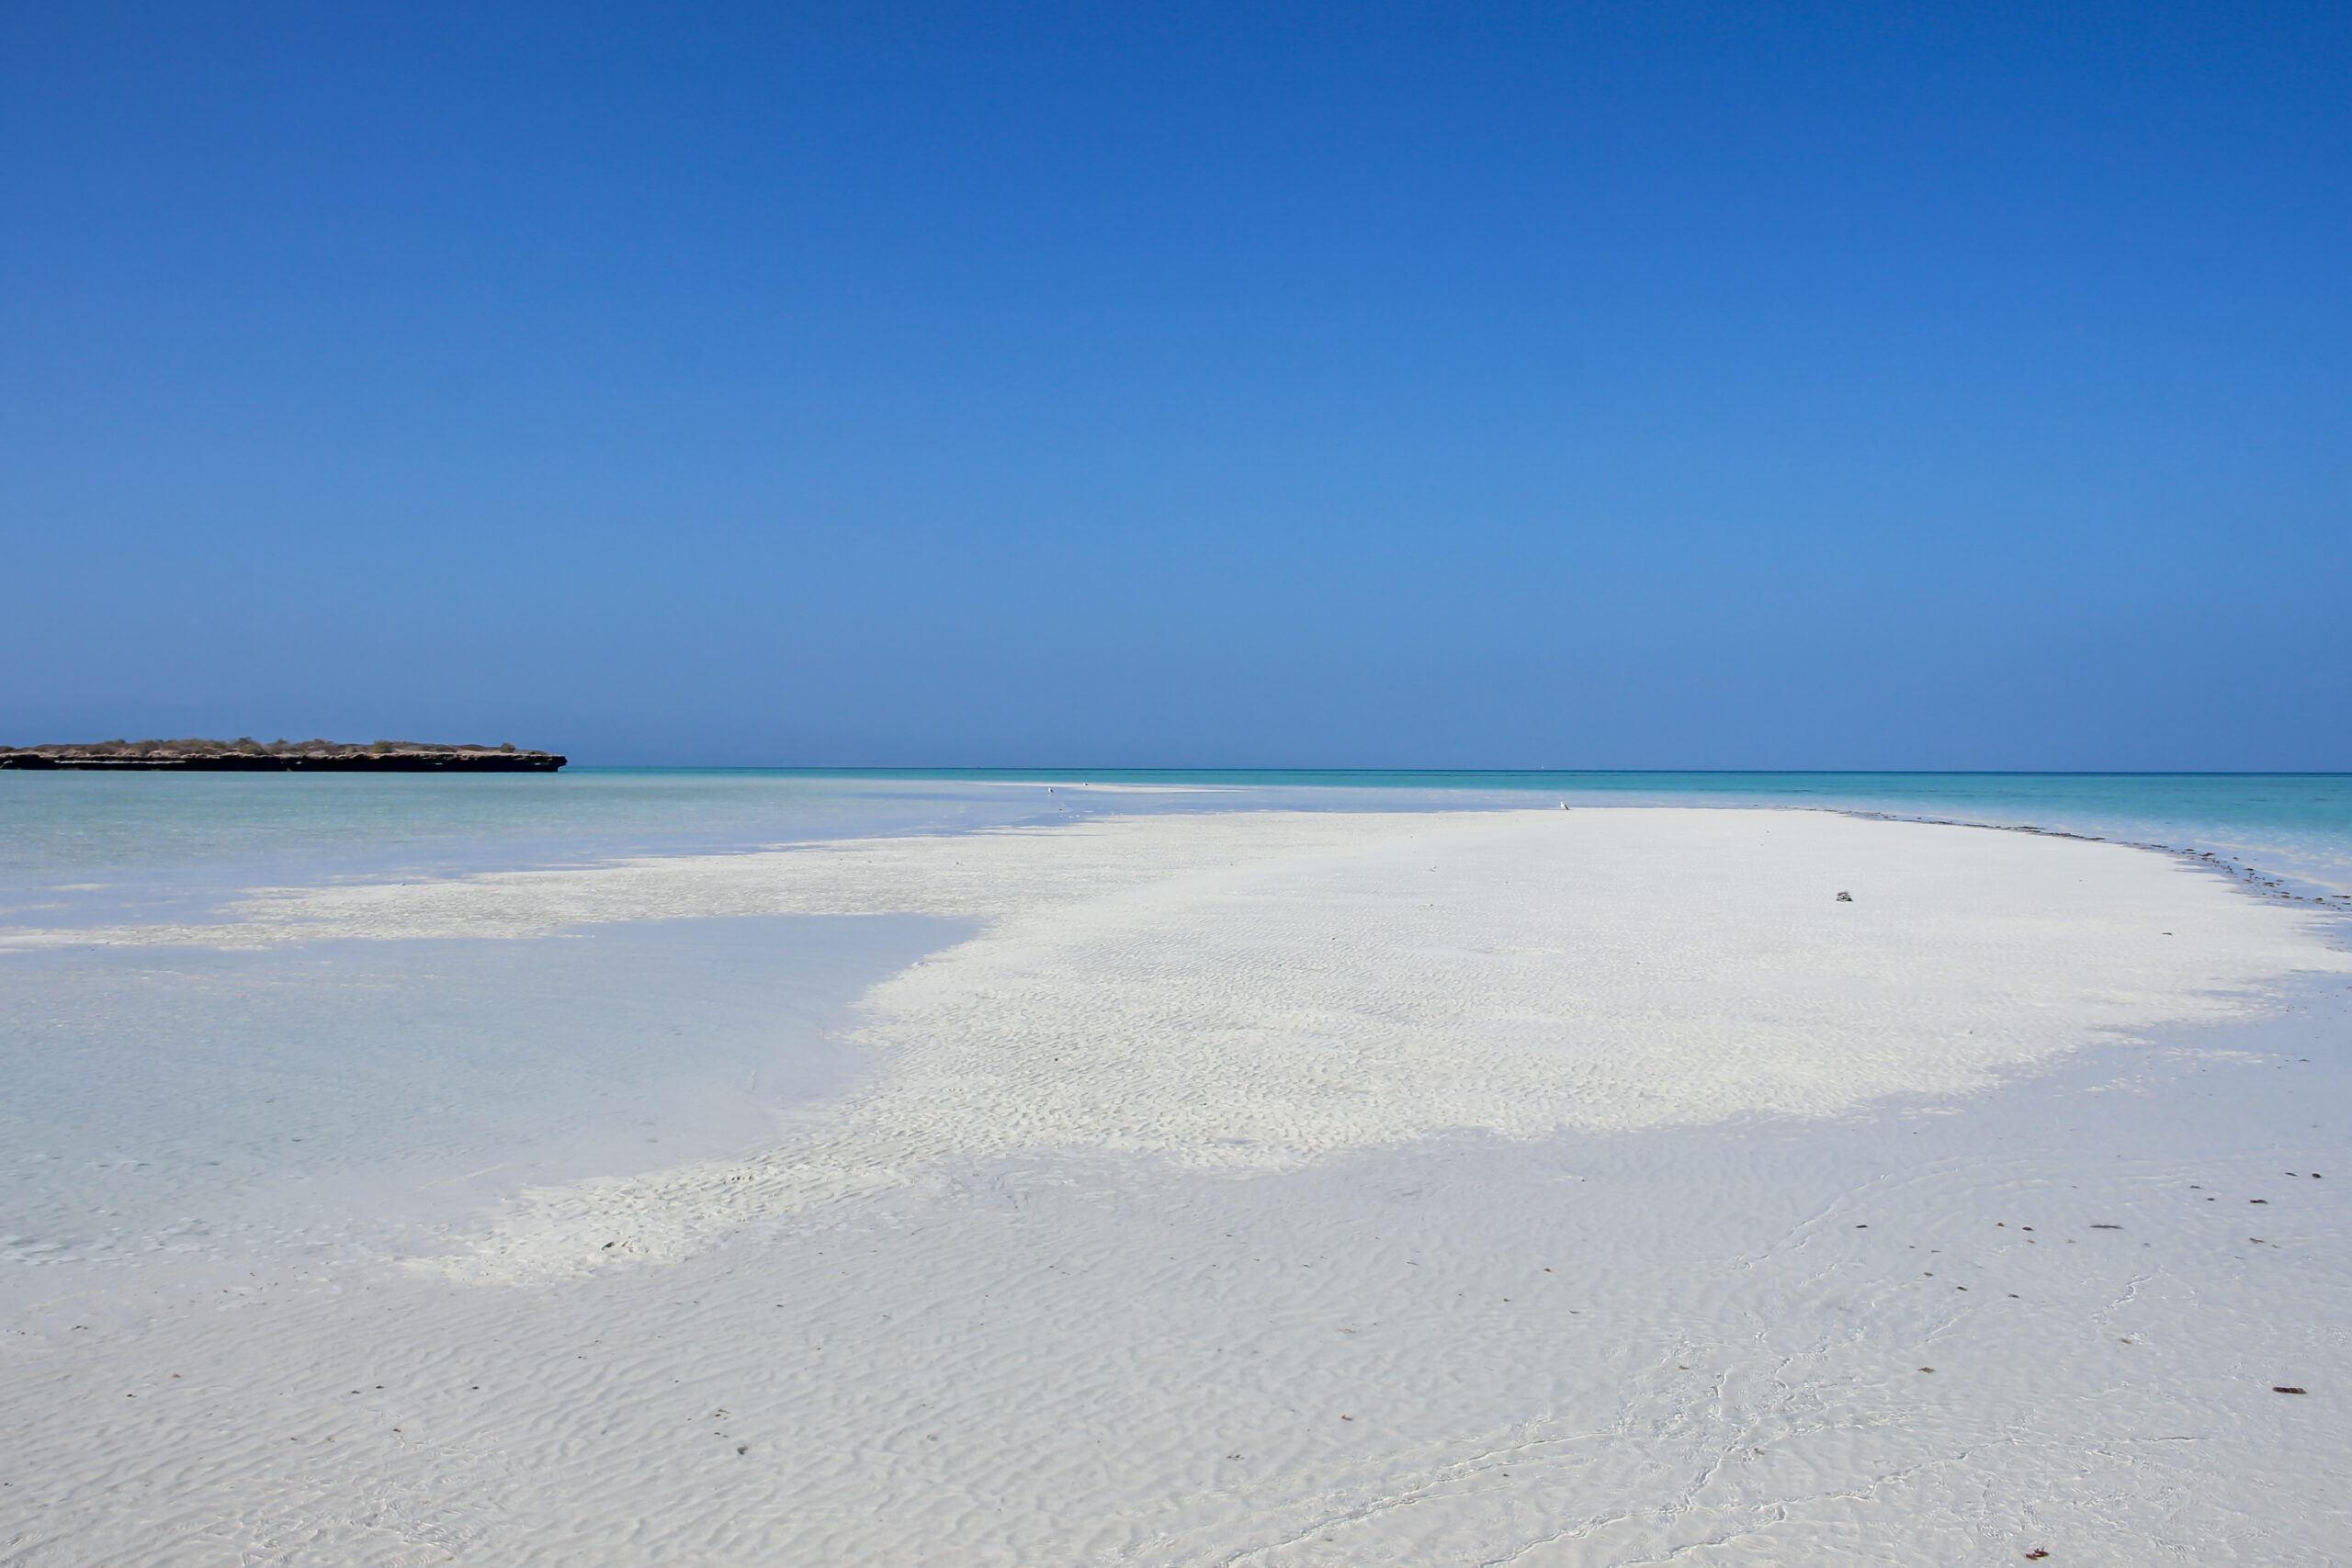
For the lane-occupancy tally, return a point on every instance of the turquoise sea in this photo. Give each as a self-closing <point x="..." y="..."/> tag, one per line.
<point x="2295" y="827"/>
<point x="82" y="848"/>
<point x="337" y="1097"/>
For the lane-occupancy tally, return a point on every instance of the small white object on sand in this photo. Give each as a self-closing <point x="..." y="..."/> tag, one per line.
<point x="1246" y="1190"/>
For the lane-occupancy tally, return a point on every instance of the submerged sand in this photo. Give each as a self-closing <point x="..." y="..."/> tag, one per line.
<point x="1549" y="1186"/>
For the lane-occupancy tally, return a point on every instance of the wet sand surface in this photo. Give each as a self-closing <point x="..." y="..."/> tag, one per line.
<point x="1325" y="1260"/>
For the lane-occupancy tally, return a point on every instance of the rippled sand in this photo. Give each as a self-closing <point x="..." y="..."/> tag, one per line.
<point x="1287" y="1187"/>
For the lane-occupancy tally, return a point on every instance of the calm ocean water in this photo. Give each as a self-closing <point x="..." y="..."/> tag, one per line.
<point x="81" y="849"/>
<point x="158" y="1102"/>
<point x="2293" y="826"/>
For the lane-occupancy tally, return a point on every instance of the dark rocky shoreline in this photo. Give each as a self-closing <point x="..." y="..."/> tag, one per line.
<point x="280" y="757"/>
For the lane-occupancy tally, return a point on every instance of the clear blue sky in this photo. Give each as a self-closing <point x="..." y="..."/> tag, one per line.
<point x="1450" y="386"/>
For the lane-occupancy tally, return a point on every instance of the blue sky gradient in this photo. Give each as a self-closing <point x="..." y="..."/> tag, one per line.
<point x="1644" y="385"/>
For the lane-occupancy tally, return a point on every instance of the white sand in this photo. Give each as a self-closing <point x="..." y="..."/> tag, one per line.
<point x="1307" y="1188"/>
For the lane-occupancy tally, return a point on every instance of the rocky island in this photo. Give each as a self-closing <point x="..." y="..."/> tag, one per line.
<point x="247" y="755"/>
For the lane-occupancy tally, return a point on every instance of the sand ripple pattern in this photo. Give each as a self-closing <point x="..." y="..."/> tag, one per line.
<point x="1532" y="1264"/>
<point x="1253" y="990"/>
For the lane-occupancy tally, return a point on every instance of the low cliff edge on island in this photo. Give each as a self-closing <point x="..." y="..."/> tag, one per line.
<point x="251" y="756"/>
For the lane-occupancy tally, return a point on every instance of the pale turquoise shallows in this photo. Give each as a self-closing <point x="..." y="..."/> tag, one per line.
<point x="158" y="1102"/>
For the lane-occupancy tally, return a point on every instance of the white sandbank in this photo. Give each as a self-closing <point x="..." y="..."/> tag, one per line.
<point x="1285" y="1188"/>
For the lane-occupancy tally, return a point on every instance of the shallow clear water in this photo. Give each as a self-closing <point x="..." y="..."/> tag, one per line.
<point x="2295" y="825"/>
<point x="166" y="1100"/>
<point x="202" y="1100"/>
<point x="77" y="848"/>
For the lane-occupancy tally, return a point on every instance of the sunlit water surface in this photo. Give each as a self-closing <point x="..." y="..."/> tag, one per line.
<point x="166" y="1102"/>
